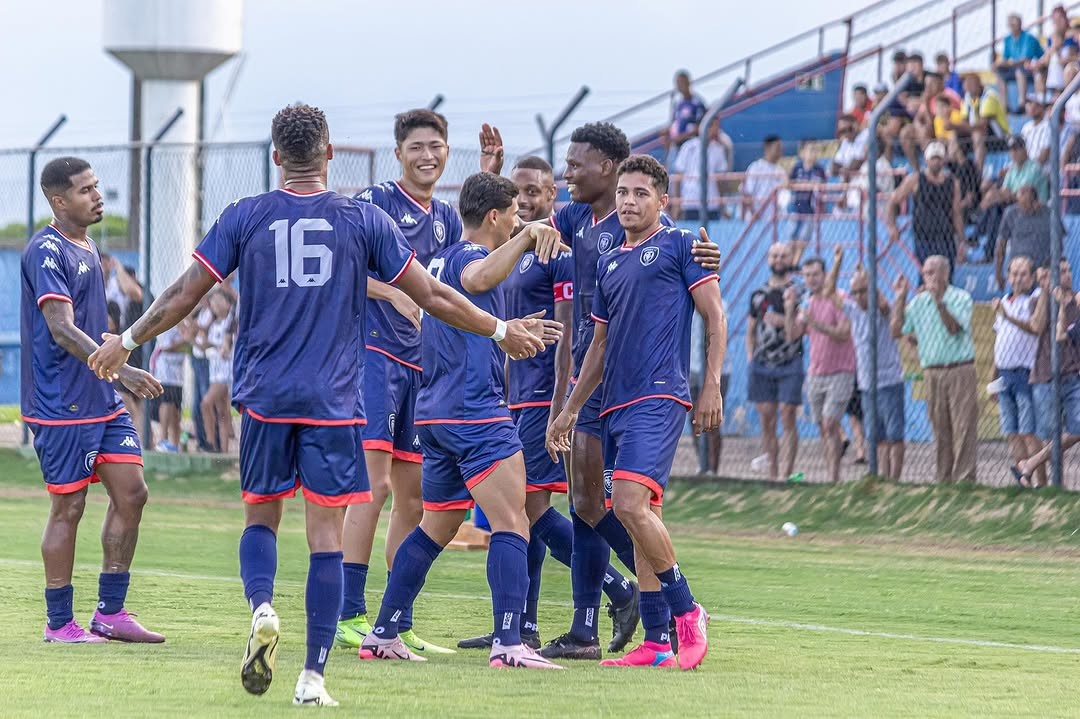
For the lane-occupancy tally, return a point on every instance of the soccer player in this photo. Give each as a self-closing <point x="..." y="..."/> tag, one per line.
<point x="303" y="255"/>
<point x="472" y="453"/>
<point x="82" y="433"/>
<point x="392" y="370"/>
<point x="647" y="291"/>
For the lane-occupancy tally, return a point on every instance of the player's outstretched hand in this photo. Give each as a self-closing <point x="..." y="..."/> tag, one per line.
<point x="107" y="359"/>
<point x="708" y="411"/>
<point x="491" y="149"/>
<point x="141" y="383"/>
<point x="547" y="242"/>
<point x="706" y="252"/>
<point x="558" y="434"/>
<point x="529" y="335"/>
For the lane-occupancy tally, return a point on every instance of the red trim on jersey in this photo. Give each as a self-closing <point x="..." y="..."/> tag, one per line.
<point x="481" y="476"/>
<point x="596" y="222"/>
<point x="625" y="248"/>
<point x="411" y="457"/>
<point x="401" y="272"/>
<point x="489" y="420"/>
<point x="305" y="420"/>
<point x="302" y="194"/>
<point x="564" y="291"/>
<point x="54" y="296"/>
<point x="336" y="500"/>
<point x="556" y="487"/>
<point x="72" y="487"/>
<point x="207" y="266"/>
<point x="553" y="222"/>
<point x="63" y="422"/>
<point x="449" y="506"/>
<point x="683" y="402"/>
<point x="703" y="280"/>
<point x="596" y="318"/>
<point x="117" y="458"/>
<point x="523" y="405"/>
<point x="383" y="352"/>
<point x="378" y="445"/>
<point x="657" y="490"/>
<point x="426" y="209"/>
<point x="256" y="498"/>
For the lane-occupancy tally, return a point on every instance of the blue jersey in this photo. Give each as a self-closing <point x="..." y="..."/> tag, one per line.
<point x="427" y="230"/>
<point x="532" y="287"/>
<point x="303" y="264"/>
<point x="643" y="296"/>
<point x="802" y="201"/>
<point x="463" y="373"/>
<point x="58" y="388"/>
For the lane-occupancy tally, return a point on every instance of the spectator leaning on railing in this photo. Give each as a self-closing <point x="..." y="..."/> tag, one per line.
<point x="805" y="171"/>
<point x="939" y="318"/>
<point x="686" y="115"/>
<point x="1024" y="232"/>
<point x="1020" y="47"/>
<point x="1016" y="342"/>
<point x="687" y="171"/>
<point x="762" y="178"/>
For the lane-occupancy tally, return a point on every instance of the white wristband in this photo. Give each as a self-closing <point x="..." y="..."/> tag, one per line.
<point x="500" y="331"/>
<point x="128" y="341"/>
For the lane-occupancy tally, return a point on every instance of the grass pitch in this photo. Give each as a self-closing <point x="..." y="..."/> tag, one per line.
<point x="892" y="601"/>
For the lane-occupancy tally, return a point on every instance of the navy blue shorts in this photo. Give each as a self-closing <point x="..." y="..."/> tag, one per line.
<point x="71" y="453"/>
<point x="588" y="420"/>
<point x="767" y="385"/>
<point x="389" y="400"/>
<point x="541" y="474"/>
<point x="459" y="456"/>
<point x="640" y="441"/>
<point x="326" y="460"/>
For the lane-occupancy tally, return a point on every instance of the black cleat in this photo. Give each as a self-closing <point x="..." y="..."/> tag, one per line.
<point x="529" y="639"/>
<point x="624" y="620"/>
<point x="570" y="647"/>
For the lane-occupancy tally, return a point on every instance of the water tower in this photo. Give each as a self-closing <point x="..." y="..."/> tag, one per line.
<point x="170" y="47"/>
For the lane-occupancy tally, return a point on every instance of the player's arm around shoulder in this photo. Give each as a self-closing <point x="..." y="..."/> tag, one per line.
<point x="483" y="275"/>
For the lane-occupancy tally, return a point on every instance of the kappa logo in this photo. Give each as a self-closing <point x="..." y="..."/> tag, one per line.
<point x="649" y="255"/>
<point x="365" y="195"/>
<point x="408" y="219"/>
<point x="612" y="265"/>
<point x="83" y="268"/>
<point x="526" y="263"/>
<point x="605" y="241"/>
<point x="129" y="441"/>
<point x="607" y="482"/>
<point x="391" y="422"/>
<point x="50" y="264"/>
<point x="416" y="441"/>
<point x="440" y="232"/>
<point x="89" y="461"/>
<point x="580" y="233"/>
<point x="48" y="244"/>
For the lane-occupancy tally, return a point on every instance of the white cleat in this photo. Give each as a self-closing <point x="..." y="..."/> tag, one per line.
<point x="311" y="691"/>
<point x="257" y="669"/>
<point x="518" y="656"/>
<point x="375" y="647"/>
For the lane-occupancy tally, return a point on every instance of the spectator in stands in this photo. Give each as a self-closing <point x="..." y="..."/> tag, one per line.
<point x="899" y="66"/>
<point x="939" y="318"/>
<point x="936" y="218"/>
<point x="967" y="174"/>
<point x="1025" y="232"/>
<point x="711" y="444"/>
<point x="851" y="153"/>
<point x="880" y="91"/>
<point x="775" y="363"/>
<point x="984" y="119"/>
<point x="1036" y="131"/>
<point x="167" y="364"/>
<point x="947" y="121"/>
<point x="1020" y="48"/>
<point x="687" y="171"/>
<point x="687" y="114"/>
<point x="1067" y="335"/>
<point x="863" y="105"/>
<point x="133" y="404"/>
<point x="951" y="79"/>
<point x="763" y="177"/>
<point x="806" y="170"/>
<point x="1021" y="171"/>
<point x="927" y="107"/>
<point x="1041" y="391"/>
<point x="830" y="380"/>
<point x="1061" y="49"/>
<point x="200" y="320"/>
<point x="217" y="342"/>
<point x="1015" y="345"/>
<point x="915" y="66"/>
<point x="886" y="182"/>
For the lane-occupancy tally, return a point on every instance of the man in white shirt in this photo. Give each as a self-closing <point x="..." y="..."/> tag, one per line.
<point x="851" y="154"/>
<point x="687" y="167"/>
<point x="1036" y="131"/>
<point x="763" y="177"/>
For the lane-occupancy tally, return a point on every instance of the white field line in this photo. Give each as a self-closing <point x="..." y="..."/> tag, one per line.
<point x="779" y="623"/>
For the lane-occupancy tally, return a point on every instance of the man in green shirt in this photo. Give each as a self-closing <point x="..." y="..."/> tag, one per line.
<point x="996" y="196"/>
<point x="939" y="319"/>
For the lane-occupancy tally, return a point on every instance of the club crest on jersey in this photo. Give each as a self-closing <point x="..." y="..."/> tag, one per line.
<point x="89" y="461"/>
<point x="526" y="263"/>
<point x="604" y="241"/>
<point x="50" y="264"/>
<point x="83" y="267"/>
<point x="408" y="219"/>
<point x="440" y="232"/>
<point x="649" y="255"/>
<point x="391" y="422"/>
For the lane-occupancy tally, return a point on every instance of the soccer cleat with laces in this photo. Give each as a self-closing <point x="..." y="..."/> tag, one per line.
<point x="375" y="647"/>
<point x="518" y="656"/>
<point x="311" y="691"/>
<point x="568" y="646"/>
<point x="691" y="629"/>
<point x="351" y="632"/>
<point x="485" y="641"/>
<point x="420" y="646"/>
<point x="123" y="628"/>
<point x="257" y="669"/>
<point x="72" y="633"/>
<point x="646" y="654"/>
<point x="624" y="620"/>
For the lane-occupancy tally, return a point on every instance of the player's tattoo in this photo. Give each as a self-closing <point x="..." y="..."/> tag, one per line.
<point x="60" y="317"/>
<point x="174" y="304"/>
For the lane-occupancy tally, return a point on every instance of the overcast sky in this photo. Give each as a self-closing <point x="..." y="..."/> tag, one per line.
<point x="362" y="61"/>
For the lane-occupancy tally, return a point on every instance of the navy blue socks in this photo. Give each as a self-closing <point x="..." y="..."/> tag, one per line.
<point x="323" y="602"/>
<point x="354" y="603"/>
<point x="258" y="564"/>
<point x="508" y="577"/>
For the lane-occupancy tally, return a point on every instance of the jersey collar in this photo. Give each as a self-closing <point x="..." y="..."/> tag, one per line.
<point x="426" y="209"/>
<point x="624" y="248"/>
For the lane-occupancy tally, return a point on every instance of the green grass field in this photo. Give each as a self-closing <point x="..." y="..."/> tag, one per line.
<point x="892" y="601"/>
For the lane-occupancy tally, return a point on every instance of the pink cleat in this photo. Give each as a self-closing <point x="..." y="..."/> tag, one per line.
<point x="693" y="639"/>
<point x="123" y="628"/>
<point x="72" y="633"/>
<point x="646" y="654"/>
<point x="375" y="647"/>
<point x="518" y="656"/>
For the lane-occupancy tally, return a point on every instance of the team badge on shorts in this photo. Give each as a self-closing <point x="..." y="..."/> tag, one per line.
<point x="89" y="461"/>
<point x="604" y="241"/>
<point x="649" y="255"/>
<point x="607" y="481"/>
<point x="391" y="422"/>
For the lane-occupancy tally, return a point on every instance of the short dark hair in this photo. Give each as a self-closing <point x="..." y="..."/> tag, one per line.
<point x="481" y="193"/>
<point x="605" y="138"/>
<point x="933" y="74"/>
<point x="941" y="57"/>
<point x="915" y="56"/>
<point x="859" y="87"/>
<point x="646" y="165"/>
<point x="533" y="162"/>
<point x="56" y="176"/>
<point x="806" y="142"/>
<point x="407" y="121"/>
<point x="300" y="134"/>
<point x="814" y="261"/>
<point x="770" y="139"/>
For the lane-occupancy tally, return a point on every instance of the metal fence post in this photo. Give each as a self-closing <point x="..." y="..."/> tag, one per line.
<point x="703" y="145"/>
<point x="1055" y="269"/>
<point x="872" y="274"/>
<point x="548" y="132"/>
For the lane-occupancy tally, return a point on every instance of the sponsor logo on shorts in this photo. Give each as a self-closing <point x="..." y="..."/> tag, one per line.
<point x="129" y="441"/>
<point x="605" y="241"/>
<point x="416" y="441"/>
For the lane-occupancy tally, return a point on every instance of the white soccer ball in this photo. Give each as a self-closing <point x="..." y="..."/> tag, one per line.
<point x="790" y="529"/>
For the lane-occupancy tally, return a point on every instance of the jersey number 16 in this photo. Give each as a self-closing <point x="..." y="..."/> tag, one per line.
<point x="301" y="252"/>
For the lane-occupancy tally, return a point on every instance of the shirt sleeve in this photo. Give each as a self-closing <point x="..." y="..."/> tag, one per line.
<point x="49" y="278"/>
<point x="599" y="304"/>
<point x="389" y="255"/>
<point x="219" y="252"/>
<point x="693" y="274"/>
<point x="960" y="307"/>
<point x="562" y="277"/>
